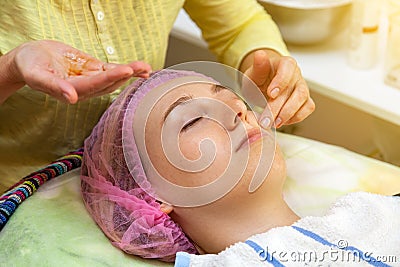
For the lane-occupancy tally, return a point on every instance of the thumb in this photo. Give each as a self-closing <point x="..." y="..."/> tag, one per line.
<point x="56" y="87"/>
<point x="261" y="68"/>
<point x="68" y="91"/>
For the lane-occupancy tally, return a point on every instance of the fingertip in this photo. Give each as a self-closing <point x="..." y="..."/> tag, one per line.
<point x="73" y="99"/>
<point x="142" y="74"/>
<point x="260" y="53"/>
<point x="68" y="98"/>
<point x="265" y="122"/>
<point x="278" y="122"/>
<point x="259" y="57"/>
<point x="140" y="67"/>
<point x="266" y="118"/>
<point x="274" y="92"/>
<point x="69" y="93"/>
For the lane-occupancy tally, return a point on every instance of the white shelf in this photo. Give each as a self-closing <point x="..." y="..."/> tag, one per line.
<point x="327" y="72"/>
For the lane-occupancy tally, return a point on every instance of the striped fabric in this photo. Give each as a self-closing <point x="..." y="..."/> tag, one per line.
<point x="112" y="30"/>
<point x="263" y="254"/>
<point x="371" y="260"/>
<point x="10" y="200"/>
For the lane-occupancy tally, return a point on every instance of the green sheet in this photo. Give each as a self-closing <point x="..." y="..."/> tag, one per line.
<point x="52" y="227"/>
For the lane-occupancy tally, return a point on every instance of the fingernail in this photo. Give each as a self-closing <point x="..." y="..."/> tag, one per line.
<point x="275" y="92"/>
<point x="265" y="122"/>
<point x="278" y="122"/>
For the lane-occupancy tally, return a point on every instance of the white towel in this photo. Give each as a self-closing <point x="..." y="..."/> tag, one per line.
<point x="360" y="229"/>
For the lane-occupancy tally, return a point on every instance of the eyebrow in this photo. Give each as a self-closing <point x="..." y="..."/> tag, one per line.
<point x="184" y="99"/>
<point x="218" y="88"/>
<point x="180" y="101"/>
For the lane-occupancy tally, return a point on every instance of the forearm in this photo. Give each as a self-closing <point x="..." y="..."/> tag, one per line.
<point x="233" y="28"/>
<point x="10" y="81"/>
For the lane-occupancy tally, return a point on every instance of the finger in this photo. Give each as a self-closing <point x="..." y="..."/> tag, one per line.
<point x="106" y="90"/>
<point x="261" y="69"/>
<point x="52" y="85"/>
<point x="111" y="88"/>
<point x="140" y="69"/>
<point x="284" y="74"/>
<point x="123" y="70"/>
<point x="271" y="111"/>
<point x="68" y="91"/>
<point x="266" y="118"/>
<point x="296" y="100"/>
<point x="303" y="112"/>
<point x="90" y="85"/>
<point x="252" y="93"/>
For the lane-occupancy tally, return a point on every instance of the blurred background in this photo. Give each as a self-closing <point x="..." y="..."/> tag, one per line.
<point x="349" y="53"/>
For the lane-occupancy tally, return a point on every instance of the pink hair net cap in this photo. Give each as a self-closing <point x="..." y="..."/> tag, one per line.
<point x="129" y="217"/>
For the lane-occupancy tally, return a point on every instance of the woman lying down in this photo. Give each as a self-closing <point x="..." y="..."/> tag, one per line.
<point x="178" y="169"/>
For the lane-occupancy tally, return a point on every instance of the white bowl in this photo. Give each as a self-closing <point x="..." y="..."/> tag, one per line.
<point x="305" y="22"/>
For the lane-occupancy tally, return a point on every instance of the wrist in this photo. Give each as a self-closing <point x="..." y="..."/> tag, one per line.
<point x="11" y="78"/>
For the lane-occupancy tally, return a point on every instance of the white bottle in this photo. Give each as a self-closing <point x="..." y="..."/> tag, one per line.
<point x="364" y="28"/>
<point x="392" y="53"/>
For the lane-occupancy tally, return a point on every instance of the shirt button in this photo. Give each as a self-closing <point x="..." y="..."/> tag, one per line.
<point x="100" y="15"/>
<point x="110" y="50"/>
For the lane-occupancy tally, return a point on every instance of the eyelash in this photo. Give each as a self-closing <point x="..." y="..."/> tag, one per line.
<point x="191" y="123"/>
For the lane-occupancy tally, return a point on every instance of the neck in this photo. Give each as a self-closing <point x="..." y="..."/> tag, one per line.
<point x="223" y="228"/>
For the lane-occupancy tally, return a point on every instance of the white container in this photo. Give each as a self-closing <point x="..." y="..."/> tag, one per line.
<point x="364" y="29"/>
<point x="392" y="53"/>
<point x="309" y="22"/>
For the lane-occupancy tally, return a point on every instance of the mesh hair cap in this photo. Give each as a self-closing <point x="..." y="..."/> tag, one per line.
<point x="129" y="217"/>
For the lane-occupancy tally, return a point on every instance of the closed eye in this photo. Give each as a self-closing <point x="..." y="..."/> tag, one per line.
<point x="191" y="123"/>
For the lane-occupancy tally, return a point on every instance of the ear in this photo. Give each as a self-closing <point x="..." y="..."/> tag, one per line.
<point x="166" y="208"/>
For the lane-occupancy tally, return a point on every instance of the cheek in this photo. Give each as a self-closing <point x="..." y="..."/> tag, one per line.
<point x="219" y="149"/>
<point x="190" y="142"/>
<point x="277" y="174"/>
<point x="273" y="179"/>
<point x="280" y="164"/>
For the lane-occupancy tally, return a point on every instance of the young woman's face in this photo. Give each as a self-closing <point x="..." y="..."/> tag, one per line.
<point x="198" y="132"/>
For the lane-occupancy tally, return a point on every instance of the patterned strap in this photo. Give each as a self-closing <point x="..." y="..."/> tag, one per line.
<point x="12" y="198"/>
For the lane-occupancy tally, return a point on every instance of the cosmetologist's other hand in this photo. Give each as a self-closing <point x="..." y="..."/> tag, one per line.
<point x="69" y="74"/>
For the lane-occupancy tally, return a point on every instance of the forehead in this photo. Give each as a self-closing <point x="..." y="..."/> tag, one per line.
<point x="192" y="90"/>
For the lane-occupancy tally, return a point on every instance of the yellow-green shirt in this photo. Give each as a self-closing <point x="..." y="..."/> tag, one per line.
<point x="36" y="129"/>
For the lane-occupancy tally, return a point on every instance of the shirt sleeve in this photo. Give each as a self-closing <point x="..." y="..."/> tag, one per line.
<point x="234" y="28"/>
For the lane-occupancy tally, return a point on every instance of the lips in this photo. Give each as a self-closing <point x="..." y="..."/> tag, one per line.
<point x="251" y="136"/>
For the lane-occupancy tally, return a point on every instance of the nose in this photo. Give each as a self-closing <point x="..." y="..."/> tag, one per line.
<point x="239" y="113"/>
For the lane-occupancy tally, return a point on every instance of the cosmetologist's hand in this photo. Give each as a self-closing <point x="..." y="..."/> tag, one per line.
<point x="279" y="78"/>
<point x="69" y="74"/>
